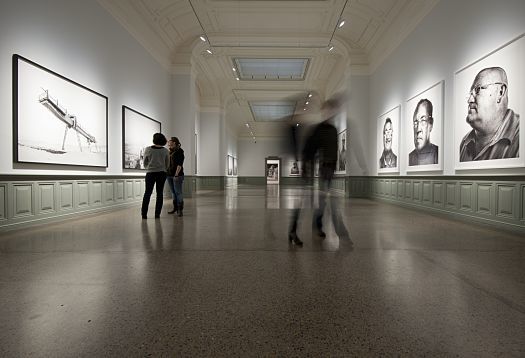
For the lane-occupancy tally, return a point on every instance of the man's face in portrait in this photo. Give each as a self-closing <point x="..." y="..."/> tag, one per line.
<point x="387" y="136"/>
<point x="422" y="127"/>
<point x="482" y="99"/>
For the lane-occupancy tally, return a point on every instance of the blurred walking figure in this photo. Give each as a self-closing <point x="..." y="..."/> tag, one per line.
<point x="321" y="144"/>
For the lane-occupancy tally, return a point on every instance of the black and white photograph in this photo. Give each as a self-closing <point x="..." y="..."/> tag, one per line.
<point x="272" y="171"/>
<point x="341" y="153"/>
<point x="235" y="166"/>
<point x="57" y="120"/>
<point x="424" y="130"/>
<point x="295" y="168"/>
<point x="230" y="165"/>
<point x="388" y="141"/>
<point x="489" y="100"/>
<point x="138" y="130"/>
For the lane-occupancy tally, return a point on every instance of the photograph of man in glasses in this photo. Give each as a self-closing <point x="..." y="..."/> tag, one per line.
<point x="495" y="127"/>
<point x="424" y="152"/>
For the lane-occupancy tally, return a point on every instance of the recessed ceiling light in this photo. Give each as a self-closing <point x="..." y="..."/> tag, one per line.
<point x="304" y="109"/>
<point x="331" y="48"/>
<point x="237" y="78"/>
<point x="297" y="125"/>
<point x="307" y="102"/>
<point x="209" y="51"/>
<point x="309" y="95"/>
<point x="341" y="23"/>
<point x="233" y="68"/>
<point x="247" y="125"/>
<point x="203" y="39"/>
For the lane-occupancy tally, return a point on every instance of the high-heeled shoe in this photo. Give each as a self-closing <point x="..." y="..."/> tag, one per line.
<point x="292" y="237"/>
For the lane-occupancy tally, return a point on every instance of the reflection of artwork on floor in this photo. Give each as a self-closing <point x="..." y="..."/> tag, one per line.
<point x="423" y="129"/>
<point x="56" y="120"/>
<point x="234" y="166"/>
<point x="388" y="141"/>
<point x="341" y="152"/>
<point x="488" y="103"/>
<point x="138" y="130"/>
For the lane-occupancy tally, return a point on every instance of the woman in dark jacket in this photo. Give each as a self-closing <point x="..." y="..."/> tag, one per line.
<point x="176" y="174"/>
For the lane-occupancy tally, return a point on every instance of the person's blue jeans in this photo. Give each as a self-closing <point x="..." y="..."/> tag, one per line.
<point x="155" y="179"/>
<point x="172" y="188"/>
<point x="177" y="189"/>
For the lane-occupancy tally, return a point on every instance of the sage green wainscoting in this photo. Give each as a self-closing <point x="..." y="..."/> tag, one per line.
<point x="252" y="180"/>
<point x="496" y="200"/>
<point x="26" y="199"/>
<point x="210" y="182"/>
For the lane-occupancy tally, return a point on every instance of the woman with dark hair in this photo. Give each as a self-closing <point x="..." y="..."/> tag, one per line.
<point x="156" y="161"/>
<point x="176" y="175"/>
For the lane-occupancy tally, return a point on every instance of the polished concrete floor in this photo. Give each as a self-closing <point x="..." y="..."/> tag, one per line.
<point x="223" y="281"/>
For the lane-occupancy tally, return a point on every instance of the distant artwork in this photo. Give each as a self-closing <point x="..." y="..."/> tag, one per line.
<point x="295" y="168"/>
<point x="230" y="165"/>
<point x="424" y="128"/>
<point x="272" y="171"/>
<point x="488" y="105"/>
<point x="388" y="141"/>
<point x="137" y="134"/>
<point x="56" y="120"/>
<point x="341" y="153"/>
<point x="234" y="166"/>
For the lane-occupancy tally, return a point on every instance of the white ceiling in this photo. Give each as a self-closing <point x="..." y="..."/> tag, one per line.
<point x="170" y="30"/>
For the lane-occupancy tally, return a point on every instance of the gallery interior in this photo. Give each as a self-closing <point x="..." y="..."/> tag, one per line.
<point x="424" y="245"/>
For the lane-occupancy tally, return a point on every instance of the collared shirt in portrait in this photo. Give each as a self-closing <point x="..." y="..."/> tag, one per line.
<point x="504" y="144"/>
<point x="388" y="160"/>
<point x="427" y="155"/>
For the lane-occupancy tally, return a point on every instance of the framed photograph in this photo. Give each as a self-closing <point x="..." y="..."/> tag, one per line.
<point x="341" y="153"/>
<point x="489" y="100"/>
<point x="235" y="166"/>
<point x="388" y="141"/>
<point x="57" y="120"/>
<point x="295" y="168"/>
<point x="230" y="165"/>
<point x="137" y="134"/>
<point x="424" y="130"/>
<point x="272" y="171"/>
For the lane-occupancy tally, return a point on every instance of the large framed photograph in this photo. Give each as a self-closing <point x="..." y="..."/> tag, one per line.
<point x="424" y="130"/>
<point x="295" y="168"/>
<point x="137" y="134"/>
<point x="489" y="100"/>
<point x="388" y="141"/>
<point x="341" y="153"/>
<point x="57" y="120"/>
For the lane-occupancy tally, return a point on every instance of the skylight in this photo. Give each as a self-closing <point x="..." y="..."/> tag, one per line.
<point x="272" y="111"/>
<point x="271" y="69"/>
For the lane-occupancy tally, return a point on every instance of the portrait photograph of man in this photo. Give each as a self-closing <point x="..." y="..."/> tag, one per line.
<point x="488" y="114"/>
<point x="423" y="129"/>
<point x="388" y="141"/>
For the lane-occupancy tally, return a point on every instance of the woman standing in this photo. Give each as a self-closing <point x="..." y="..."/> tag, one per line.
<point x="176" y="175"/>
<point x="156" y="161"/>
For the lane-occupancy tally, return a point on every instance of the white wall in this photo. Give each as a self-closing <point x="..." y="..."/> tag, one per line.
<point x="358" y="126"/>
<point x="81" y="41"/>
<point x="453" y="35"/>
<point x="252" y="155"/>
<point x="210" y="153"/>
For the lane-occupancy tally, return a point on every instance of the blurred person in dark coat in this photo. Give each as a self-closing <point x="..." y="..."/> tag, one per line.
<point x="320" y="144"/>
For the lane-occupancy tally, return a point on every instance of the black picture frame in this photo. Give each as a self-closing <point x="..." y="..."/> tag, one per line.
<point x="137" y="134"/>
<point x="55" y="119"/>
